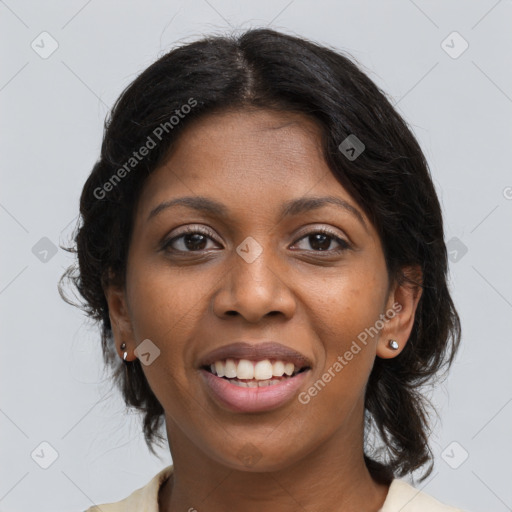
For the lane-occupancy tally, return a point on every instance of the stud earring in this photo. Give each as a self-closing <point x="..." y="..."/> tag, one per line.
<point x="393" y="344"/>
<point x="123" y="346"/>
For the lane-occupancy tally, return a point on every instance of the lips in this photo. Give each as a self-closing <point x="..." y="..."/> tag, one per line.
<point x="252" y="399"/>
<point x="245" y="394"/>
<point x="255" y="352"/>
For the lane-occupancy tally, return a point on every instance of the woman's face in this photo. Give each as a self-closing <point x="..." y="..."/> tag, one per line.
<point x="256" y="268"/>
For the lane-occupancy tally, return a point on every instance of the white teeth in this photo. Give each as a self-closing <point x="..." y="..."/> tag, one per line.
<point x="255" y="383"/>
<point x="259" y="370"/>
<point x="288" y="368"/>
<point x="219" y="368"/>
<point x="263" y="370"/>
<point x="278" y="369"/>
<point x="230" y="369"/>
<point x="245" y="369"/>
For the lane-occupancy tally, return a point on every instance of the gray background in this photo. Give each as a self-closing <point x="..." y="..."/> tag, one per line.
<point x="52" y="112"/>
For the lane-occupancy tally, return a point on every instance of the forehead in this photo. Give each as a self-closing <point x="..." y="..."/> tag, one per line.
<point x="254" y="141"/>
<point x="256" y="157"/>
<point x="252" y="124"/>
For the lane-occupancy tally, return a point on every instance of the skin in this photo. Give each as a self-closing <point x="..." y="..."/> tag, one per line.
<point x="310" y="456"/>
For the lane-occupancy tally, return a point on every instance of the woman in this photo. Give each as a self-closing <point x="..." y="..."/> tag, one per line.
<point x="262" y="244"/>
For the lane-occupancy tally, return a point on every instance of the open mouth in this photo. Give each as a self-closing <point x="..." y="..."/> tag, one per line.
<point x="252" y="374"/>
<point x="251" y="385"/>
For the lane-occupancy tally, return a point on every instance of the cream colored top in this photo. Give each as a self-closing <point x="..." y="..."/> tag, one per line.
<point x="402" y="497"/>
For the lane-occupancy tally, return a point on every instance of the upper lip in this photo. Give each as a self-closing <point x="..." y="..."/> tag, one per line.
<point x="255" y="352"/>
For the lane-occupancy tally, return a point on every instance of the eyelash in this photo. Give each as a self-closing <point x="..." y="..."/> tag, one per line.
<point x="204" y="231"/>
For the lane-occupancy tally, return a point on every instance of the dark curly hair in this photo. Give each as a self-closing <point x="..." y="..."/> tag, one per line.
<point x="390" y="180"/>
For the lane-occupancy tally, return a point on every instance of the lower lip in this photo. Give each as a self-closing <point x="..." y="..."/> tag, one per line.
<point x="241" y="399"/>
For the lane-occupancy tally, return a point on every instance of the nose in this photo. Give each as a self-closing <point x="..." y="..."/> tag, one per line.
<point x="254" y="290"/>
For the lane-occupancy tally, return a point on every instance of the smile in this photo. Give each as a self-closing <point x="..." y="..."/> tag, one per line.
<point x="255" y="372"/>
<point x="261" y="392"/>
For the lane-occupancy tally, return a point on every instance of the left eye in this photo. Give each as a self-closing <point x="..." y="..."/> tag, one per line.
<point x="321" y="241"/>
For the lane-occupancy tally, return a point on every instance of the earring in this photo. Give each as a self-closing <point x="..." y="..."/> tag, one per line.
<point x="393" y="344"/>
<point x="123" y="346"/>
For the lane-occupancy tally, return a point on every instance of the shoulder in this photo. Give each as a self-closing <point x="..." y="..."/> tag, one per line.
<point x="144" y="499"/>
<point x="404" y="497"/>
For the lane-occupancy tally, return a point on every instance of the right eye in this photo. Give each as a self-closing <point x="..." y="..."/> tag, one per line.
<point x="192" y="239"/>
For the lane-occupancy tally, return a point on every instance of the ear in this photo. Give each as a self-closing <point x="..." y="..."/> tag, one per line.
<point x="120" y="320"/>
<point x="400" y="310"/>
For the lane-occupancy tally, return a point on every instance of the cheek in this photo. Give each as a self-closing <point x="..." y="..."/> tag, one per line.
<point x="166" y="304"/>
<point x="347" y="303"/>
<point x="165" y="307"/>
<point x="345" y="313"/>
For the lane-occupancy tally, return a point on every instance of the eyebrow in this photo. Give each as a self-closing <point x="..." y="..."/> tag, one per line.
<point x="289" y="208"/>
